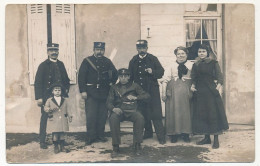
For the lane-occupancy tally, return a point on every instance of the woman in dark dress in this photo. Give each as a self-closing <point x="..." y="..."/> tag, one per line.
<point x="209" y="117"/>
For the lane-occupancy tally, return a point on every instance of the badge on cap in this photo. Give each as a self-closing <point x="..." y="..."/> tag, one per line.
<point x="99" y="45"/>
<point x="141" y="43"/>
<point x="123" y="71"/>
<point x="54" y="46"/>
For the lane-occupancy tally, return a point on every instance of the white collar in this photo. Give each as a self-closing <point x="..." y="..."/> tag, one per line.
<point x="142" y="57"/>
<point x="53" y="60"/>
<point x="58" y="99"/>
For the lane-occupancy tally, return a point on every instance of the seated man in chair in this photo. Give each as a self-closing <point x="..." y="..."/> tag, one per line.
<point x="122" y="104"/>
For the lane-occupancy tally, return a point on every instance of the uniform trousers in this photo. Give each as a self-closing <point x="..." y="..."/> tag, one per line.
<point x="157" y="123"/>
<point x="138" y="126"/>
<point x="43" y="125"/>
<point x="96" y="116"/>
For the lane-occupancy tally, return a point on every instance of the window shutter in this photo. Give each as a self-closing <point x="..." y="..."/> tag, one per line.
<point x="63" y="33"/>
<point x="37" y="37"/>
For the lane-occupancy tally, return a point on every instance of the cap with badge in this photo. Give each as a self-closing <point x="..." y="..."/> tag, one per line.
<point x="123" y="71"/>
<point x="52" y="46"/>
<point x="141" y="43"/>
<point x="99" y="45"/>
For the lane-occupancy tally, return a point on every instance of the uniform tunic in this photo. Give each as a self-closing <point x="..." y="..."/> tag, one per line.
<point x="118" y="99"/>
<point x="58" y="120"/>
<point x="96" y="82"/>
<point x="178" y="102"/>
<point x="48" y="73"/>
<point x="152" y="110"/>
<point x="209" y="115"/>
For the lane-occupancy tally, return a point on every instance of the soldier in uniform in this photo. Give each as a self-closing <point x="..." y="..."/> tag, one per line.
<point x="145" y="69"/>
<point x="50" y="71"/>
<point x="96" y="74"/>
<point x="122" y="104"/>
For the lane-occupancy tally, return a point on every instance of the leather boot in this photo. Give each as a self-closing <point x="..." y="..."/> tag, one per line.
<point x="115" y="152"/>
<point x="186" y="138"/>
<point x="216" y="142"/>
<point x="43" y="145"/>
<point x="62" y="149"/>
<point x="138" y="149"/>
<point x="56" y="147"/>
<point x="205" y="140"/>
<point x="174" y="138"/>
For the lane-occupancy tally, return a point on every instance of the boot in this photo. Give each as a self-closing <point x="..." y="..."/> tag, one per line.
<point x="138" y="149"/>
<point x="56" y="147"/>
<point x="43" y="145"/>
<point x="186" y="138"/>
<point x="62" y="149"/>
<point x="216" y="142"/>
<point x="174" y="138"/>
<point x="206" y="140"/>
<point x="115" y="152"/>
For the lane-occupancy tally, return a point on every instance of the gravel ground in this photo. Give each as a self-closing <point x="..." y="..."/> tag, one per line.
<point x="236" y="145"/>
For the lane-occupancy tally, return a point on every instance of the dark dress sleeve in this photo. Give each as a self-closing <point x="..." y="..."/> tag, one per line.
<point x="218" y="74"/>
<point x="193" y="74"/>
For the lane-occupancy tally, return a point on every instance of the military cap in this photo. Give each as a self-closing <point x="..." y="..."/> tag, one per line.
<point x="99" y="45"/>
<point x="123" y="71"/>
<point x="141" y="43"/>
<point x="52" y="46"/>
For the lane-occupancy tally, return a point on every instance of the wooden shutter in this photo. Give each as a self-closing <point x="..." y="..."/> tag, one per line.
<point x="63" y="32"/>
<point x="37" y="37"/>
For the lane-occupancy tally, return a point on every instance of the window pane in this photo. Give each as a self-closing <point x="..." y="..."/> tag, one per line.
<point x="195" y="35"/>
<point x="192" y="28"/>
<point x="210" y="27"/>
<point x="212" y="7"/>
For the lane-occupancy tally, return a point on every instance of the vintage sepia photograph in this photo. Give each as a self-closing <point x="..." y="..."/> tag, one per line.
<point x="130" y="83"/>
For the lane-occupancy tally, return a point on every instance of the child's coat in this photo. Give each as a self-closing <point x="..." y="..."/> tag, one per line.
<point x="59" y="121"/>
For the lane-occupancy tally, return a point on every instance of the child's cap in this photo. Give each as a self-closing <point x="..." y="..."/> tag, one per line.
<point x="57" y="84"/>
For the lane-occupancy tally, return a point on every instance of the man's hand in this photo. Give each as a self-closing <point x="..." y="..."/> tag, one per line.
<point x="118" y="111"/>
<point x="131" y="97"/>
<point x="164" y="97"/>
<point x="192" y="88"/>
<point x="149" y="70"/>
<point x="84" y="95"/>
<point x="39" y="102"/>
<point x="54" y="109"/>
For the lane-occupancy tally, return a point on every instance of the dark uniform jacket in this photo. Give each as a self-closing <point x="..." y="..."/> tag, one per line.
<point x="46" y="76"/>
<point x="118" y="93"/>
<point x="97" y="82"/>
<point x="148" y="81"/>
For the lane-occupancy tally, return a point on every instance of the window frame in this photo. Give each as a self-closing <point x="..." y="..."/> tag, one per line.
<point x="199" y="15"/>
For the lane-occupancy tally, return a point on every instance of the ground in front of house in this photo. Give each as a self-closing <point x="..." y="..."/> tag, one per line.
<point x="236" y="145"/>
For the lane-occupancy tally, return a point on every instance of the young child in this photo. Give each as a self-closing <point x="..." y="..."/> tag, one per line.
<point x="58" y="116"/>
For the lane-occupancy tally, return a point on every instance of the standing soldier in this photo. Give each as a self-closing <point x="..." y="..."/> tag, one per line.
<point x="50" y="71"/>
<point x="96" y="74"/>
<point x="145" y="69"/>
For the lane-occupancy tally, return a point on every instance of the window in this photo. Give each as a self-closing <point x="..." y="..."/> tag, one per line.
<point x="203" y="25"/>
<point x="63" y="33"/>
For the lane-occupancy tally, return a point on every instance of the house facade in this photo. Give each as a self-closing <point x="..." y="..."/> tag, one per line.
<point x="228" y="29"/>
